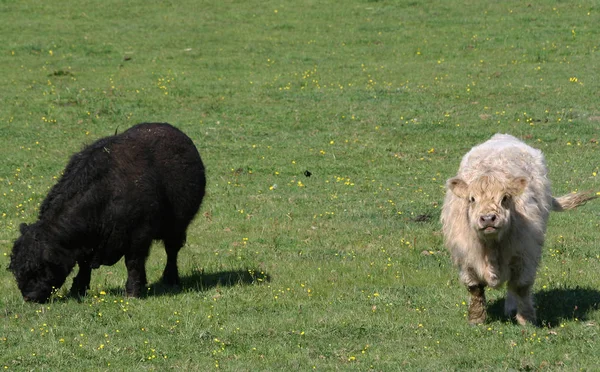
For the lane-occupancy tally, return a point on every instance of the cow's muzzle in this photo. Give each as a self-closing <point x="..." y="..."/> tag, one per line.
<point x="488" y="223"/>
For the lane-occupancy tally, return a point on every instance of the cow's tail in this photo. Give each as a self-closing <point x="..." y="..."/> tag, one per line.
<point x="571" y="201"/>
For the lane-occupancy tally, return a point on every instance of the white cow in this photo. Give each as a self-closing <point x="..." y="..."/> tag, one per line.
<point x="494" y="220"/>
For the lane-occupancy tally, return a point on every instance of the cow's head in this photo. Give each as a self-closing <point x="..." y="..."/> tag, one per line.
<point x="39" y="266"/>
<point x="490" y="202"/>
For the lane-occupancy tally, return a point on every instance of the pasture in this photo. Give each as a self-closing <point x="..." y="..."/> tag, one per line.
<point x="328" y="130"/>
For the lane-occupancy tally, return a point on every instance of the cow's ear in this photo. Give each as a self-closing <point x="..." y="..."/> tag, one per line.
<point x="517" y="186"/>
<point x="458" y="187"/>
<point x="23" y="228"/>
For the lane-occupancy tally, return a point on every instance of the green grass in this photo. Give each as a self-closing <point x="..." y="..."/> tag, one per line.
<point x="379" y="100"/>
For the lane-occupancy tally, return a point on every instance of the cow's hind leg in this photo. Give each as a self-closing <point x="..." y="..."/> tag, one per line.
<point x="173" y="244"/>
<point x="477" y="311"/>
<point x="81" y="283"/>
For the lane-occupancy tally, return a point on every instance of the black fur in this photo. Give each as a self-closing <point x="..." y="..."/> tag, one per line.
<point x="115" y="197"/>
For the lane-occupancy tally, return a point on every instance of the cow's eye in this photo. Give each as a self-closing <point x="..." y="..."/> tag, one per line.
<point x="472" y="199"/>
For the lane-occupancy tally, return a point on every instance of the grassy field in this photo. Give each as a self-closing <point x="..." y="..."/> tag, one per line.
<point x="342" y="270"/>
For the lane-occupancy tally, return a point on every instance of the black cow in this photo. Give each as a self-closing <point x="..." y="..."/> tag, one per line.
<point x="115" y="197"/>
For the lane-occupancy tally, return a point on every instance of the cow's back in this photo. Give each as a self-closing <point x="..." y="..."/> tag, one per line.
<point x="160" y="168"/>
<point x="503" y="153"/>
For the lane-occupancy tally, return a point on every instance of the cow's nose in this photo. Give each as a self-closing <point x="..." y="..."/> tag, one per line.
<point x="487" y="219"/>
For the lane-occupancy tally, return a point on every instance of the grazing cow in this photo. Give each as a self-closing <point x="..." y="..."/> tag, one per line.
<point x="494" y="220"/>
<point x="115" y="197"/>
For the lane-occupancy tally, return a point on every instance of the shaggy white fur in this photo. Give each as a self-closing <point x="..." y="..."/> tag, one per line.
<point x="494" y="220"/>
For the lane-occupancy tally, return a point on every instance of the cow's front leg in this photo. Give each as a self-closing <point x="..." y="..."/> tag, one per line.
<point x="136" y="275"/>
<point x="476" y="288"/>
<point x="477" y="304"/>
<point x="520" y="299"/>
<point x="81" y="283"/>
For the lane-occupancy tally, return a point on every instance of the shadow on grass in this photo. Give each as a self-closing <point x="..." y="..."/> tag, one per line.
<point x="200" y="281"/>
<point x="555" y="305"/>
